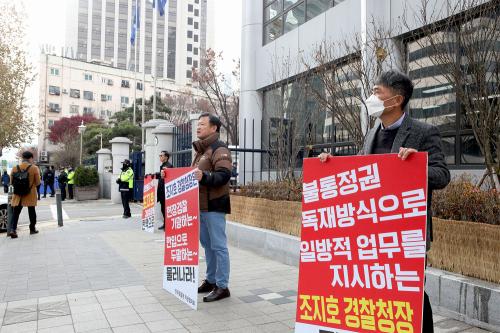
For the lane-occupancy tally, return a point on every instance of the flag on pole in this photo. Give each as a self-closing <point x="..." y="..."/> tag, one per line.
<point x="135" y="24"/>
<point x="161" y="6"/>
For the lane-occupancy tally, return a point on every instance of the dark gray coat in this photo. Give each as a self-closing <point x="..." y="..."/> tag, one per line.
<point x="422" y="137"/>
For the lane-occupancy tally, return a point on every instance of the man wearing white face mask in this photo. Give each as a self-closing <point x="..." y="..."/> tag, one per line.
<point x="397" y="132"/>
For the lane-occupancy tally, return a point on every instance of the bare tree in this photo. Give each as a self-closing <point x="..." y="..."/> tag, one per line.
<point x="15" y="77"/>
<point x="183" y="104"/>
<point x="223" y="97"/>
<point x="289" y="119"/>
<point x="347" y="70"/>
<point x="464" y="49"/>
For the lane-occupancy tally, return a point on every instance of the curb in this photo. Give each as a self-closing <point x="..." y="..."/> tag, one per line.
<point x="470" y="300"/>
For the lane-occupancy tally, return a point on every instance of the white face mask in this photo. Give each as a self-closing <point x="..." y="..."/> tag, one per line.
<point x="376" y="106"/>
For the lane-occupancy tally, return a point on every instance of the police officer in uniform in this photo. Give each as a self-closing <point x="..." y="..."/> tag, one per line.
<point x="126" y="187"/>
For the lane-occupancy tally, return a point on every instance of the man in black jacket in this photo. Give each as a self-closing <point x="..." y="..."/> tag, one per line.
<point x="160" y="192"/>
<point x="396" y="132"/>
<point x="62" y="180"/>
<point x="48" y="181"/>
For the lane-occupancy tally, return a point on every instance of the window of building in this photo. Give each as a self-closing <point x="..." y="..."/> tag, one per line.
<point x="54" y="107"/>
<point x="196" y="1"/>
<point x="54" y="71"/>
<point x="316" y="7"/>
<point x="88" y="77"/>
<point x="108" y="113"/>
<point x="196" y="38"/>
<point x="273" y="30"/>
<point x="139" y="85"/>
<point x="125" y="84"/>
<point x="273" y="10"/>
<point x="189" y="74"/>
<point x="190" y="47"/>
<point x="88" y="95"/>
<point x="75" y="93"/>
<point x="190" y="8"/>
<point x="88" y="110"/>
<point x="73" y="109"/>
<point x="190" y="21"/>
<point x="124" y="100"/>
<point x="295" y="17"/>
<point x="189" y="61"/>
<point x="196" y="12"/>
<point x="196" y="25"/>
<point x="190" y="34"/>
<point x="195" y="51"/>
<point x="50" y="123"/>
<point x="53" y="90"/>
<point x="195" y="64"/>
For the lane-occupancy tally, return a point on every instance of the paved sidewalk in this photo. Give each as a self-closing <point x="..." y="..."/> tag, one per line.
<point x="105" y="276"/>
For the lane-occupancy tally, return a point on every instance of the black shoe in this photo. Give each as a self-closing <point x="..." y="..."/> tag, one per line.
<point x="33" y="231"/>
<point x="162" y="227"/>
<point x="217" y="294"/>
<point x="44" y="196"/>
<point x="127" y="216"/>
<point x="206" y="287"/>
<point x="13" y="234"/>
<point x="52" y="196"/>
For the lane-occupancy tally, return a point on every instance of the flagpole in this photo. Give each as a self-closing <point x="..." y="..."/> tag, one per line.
<point x="135" y="64"/>
<point x="155" y="45"/>
<point x="143" y="40"/>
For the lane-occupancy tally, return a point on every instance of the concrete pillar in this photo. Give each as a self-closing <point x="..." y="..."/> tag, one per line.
<point x="149" y="144"/>
<point x="120" y="150"/>
<point x="193" y="119"/>
<point x="164" y="139"/>
<point x="251" y="101"/>
<point x="103" y="160"/>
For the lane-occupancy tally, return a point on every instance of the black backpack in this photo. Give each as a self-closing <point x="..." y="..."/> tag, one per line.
<point x="21" y="181"/>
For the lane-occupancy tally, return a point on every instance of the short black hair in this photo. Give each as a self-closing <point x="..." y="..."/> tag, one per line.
<point x="212" y="119"/>
<point x="398" y="82"/>
<point x="166" y="153"/>
<point x="27" y="155"/>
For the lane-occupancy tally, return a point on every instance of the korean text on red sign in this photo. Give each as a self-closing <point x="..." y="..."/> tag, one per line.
<point x="363" y="243"/>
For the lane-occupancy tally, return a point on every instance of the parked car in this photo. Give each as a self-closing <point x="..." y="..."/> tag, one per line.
<point x="3" y="213"/>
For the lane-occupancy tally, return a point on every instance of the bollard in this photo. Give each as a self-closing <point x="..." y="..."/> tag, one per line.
<point x="10" y="212"/>
<point x="59" y="208"/>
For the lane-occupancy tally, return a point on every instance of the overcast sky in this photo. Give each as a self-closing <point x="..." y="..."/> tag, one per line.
<point x="45" y="24"/>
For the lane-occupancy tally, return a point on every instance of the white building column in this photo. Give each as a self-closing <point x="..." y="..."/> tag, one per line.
<point x="251" y="102"/>
<point x="120" y="150"/>
<point x="103" y="159"/>
<point x="150" y="145"/>
<point x="164" y="140"/>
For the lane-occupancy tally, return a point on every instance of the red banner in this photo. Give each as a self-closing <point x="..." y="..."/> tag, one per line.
<point x="148" y="209"/>
<point x="362" y="251"/>
<point x="181" y="235"/>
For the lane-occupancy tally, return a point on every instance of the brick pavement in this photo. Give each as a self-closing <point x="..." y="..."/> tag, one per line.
<point x="105" y="276"/>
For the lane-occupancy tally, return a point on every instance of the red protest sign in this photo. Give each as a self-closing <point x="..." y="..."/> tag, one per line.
<point x="180" y="275"/>
<point x="362" y="251"/>
<point x="148" y="209"/>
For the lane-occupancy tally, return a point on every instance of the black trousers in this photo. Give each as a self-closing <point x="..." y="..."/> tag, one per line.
<point x="70" y="191"/>
<point x="63" y="191"/>
<point x="51" y="186"/>
<point x="427" y="322"/>
<point x="15" y="217"/>
<point x="162" y="204"/>
<point x="38" y="191"/>
<point x="125" y="202"/>
<point x="6" y="189"/>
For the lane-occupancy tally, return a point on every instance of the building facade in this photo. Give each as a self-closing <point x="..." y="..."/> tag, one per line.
<point x="279" y="32"/>
<point x="100" y="30"/>
<point x="70" y="87"/>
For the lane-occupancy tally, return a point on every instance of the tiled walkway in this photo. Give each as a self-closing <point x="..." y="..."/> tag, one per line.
<point x="105" y="276"/>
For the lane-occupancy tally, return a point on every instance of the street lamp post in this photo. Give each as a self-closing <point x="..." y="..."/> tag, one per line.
<point x="81" y="129"/>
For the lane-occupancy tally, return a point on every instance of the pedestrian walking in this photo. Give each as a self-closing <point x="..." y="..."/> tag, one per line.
<point x="71" y="182"/>
<point x="213" y="171"/>
<point x="126" y="187"/>
<point x="62" y="179"/>
<point x="48" y="181"/>
<point x="25" y="178"/>
<point x="5" y="181"/>
<point x="160" y="192"/>
<point x="396" y="132"/>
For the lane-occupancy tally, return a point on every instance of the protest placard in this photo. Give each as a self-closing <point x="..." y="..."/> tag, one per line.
<point x="363" y="243"/>
<point x="148" y="205"/>
<point x="180" y="276"/>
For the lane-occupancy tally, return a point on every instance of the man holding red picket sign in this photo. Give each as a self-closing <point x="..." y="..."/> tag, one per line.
<point x="396" y="132"/>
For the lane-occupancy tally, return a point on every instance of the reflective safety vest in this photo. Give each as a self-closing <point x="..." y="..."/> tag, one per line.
<point x="128" y="176"/>
<point x="71" y="178"/>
